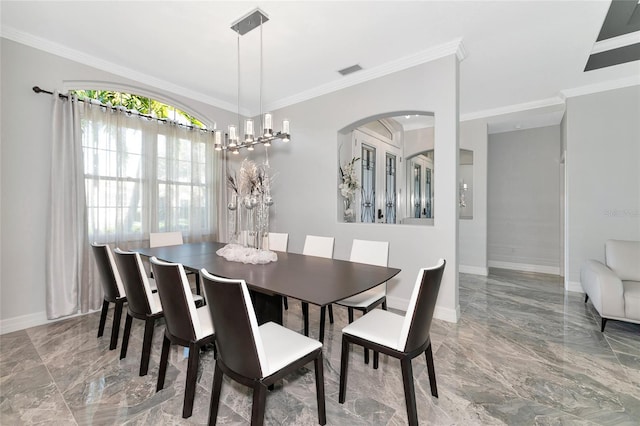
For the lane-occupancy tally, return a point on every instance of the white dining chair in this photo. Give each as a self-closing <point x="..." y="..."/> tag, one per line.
<point x="278" y="241"/>
<point x="402" y="337"/>
<point x="173" y="238"/>
<point x="321" y="247"/>
<point x="372" y="253"/>
<point x="187" y="325"/>
<point x="252" y="355"/>
<point x="113" y="290"/>
<point x="142" y="303"/>
<point x="162" y="239"/>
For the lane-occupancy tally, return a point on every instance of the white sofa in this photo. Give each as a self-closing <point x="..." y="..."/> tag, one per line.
<point x="614" y="288"/>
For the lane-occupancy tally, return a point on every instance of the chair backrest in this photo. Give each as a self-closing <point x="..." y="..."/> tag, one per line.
<point x="237" y="336"/>
<point x="417" y="321"/>
<point x="318" y="246"/>
<point x="161" y="239"/>
<point x="109" y="275"/>
<point x="371" y="252"/>
<point x="278" y="241"/>
<point x="180" y="312"/>
<point x="136" y="284"/>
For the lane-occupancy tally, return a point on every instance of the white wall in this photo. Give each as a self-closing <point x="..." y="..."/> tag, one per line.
<point x="524" y="200"/>
<point x="473" y="232"/>
<point x="306" y="188"/>
<point x="602" y="175"/>
<point x="25" y="133"/>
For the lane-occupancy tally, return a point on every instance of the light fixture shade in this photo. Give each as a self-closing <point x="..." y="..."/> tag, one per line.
<point x="268" y="125"/>
<point x="233" y="136"/>
<point x="285" y="130"/>
<point x="217" y="138"/>
<point x="248" y="130"/>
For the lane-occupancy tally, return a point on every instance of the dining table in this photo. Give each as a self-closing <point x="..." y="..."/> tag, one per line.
<point x="314" y="280"/>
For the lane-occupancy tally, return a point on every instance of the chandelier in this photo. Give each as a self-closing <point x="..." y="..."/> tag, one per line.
<point x="232" y="140"/>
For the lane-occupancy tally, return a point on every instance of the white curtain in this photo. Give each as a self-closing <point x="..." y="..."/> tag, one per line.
<point x="144" y="175"/>
<point x="67" y="251"/>
<point x="115" y="177"/>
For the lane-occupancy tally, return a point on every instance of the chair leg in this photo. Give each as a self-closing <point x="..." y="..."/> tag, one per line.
<point x="384" y="304"/>
<point x="305" y="318"/>
<point x="164" y="360"/>
<point x="586" y="297"/>
<point x="125" y="336"/>
<point x="103" y="317"/>
<point x="409" y="391"/>
<point x="431" y="370"/>
<point x="146" y="345"/>
<point x="286" y="303"/>
<point x="322" y="413"/>
<point x="376" y="357"/>
<point x="259" y="404"/>
<point x="215" y="395"/>
<point x="192" y="377"/>
<point x="604" y="322"/>
<point x="350" y="313"/>
<point x="323" y="317"/>
<point x="344" y="370"/>
<point x="198" y="283"/>
<point x="330" y="314"/>
<point x="117" y="315"/>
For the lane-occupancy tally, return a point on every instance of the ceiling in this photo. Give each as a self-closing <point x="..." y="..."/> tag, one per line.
<point x="517" y="55"/>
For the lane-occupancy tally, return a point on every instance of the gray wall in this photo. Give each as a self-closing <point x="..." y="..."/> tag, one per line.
<point x="25" y="136"/>
<point x="602" y="175"/>
<point x="524" y="200"/>
<point x="306" y="182"/>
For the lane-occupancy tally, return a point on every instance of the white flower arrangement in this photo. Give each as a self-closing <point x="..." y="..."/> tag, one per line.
<point x="348" y="188"/>
<point x="350" y="183"/>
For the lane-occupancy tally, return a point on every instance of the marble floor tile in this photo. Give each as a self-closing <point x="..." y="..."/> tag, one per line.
<point x="523" y="353"/>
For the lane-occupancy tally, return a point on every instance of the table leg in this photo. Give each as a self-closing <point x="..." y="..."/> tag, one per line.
<point x="267" y="307"/>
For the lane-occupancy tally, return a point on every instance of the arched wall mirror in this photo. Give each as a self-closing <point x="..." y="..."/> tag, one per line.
<point x="374" y="184"/>
<point x="386" y="171"/>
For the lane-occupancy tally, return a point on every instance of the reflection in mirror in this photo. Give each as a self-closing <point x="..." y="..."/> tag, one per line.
<point x="388" y="192"/>
<point x="465" y="185"/>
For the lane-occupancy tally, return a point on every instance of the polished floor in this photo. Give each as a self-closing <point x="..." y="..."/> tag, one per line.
<point x="523" y="353"/>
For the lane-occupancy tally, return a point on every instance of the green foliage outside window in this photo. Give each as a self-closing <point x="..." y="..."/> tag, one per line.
<point x="142" y="104"/>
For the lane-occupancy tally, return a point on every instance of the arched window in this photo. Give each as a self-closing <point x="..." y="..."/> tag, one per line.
<point x="149" y="167"/>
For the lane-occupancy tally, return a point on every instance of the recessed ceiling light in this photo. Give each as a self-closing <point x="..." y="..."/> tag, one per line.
<point x="407" y="117"/>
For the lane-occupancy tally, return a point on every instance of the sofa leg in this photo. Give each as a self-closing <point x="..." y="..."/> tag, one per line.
<point x="604" y="322"/>
<point x="586" y="297"/>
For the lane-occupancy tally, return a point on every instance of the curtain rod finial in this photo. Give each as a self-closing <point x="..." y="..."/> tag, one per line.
<point x="37" y="89"/>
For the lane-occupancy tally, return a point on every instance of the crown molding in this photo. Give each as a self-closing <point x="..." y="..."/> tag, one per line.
<point x="92" y="61"/>
<point x="601" y="87"/>
<point x="453" y="47"/>
<point x="616" y="42"/>
<point x="510" y="109"/>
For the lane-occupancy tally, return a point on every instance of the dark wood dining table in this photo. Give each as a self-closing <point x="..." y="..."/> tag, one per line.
<point x="315" y="280"/>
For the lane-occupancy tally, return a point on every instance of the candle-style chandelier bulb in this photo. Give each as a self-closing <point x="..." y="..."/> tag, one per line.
<point x="233" y="136"/>
<point x="268" y="125"/>
<point x="248" y="130"/>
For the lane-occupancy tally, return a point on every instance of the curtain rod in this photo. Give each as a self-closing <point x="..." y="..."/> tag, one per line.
<point x="37" y="89"/>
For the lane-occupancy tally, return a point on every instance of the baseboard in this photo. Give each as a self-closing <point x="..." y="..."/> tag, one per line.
<point x="397" y="303"/>
<point x="474" y="270"/>
<point x="573" y="286"/>
<point x="444" y="314"/>
<point x="447" y="314"/>
<point x="10" y="325"/>
<point x="541" y="269"/>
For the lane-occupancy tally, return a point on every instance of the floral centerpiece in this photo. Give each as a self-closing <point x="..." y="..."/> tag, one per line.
<point x="348" y="189"/>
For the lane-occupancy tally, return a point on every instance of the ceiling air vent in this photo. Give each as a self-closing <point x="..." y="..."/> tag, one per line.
<point x="349" y="70"/>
